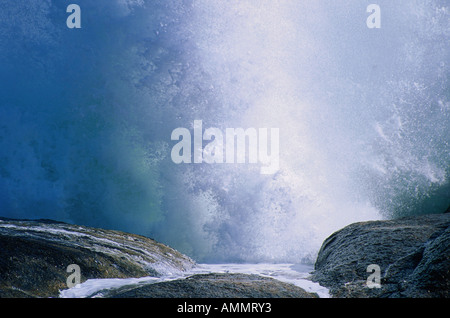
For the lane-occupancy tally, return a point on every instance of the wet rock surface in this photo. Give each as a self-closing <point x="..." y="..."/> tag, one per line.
<point x="413" y="255"/>
<point x="34" y="256"/>
<point x="214" y="285"/>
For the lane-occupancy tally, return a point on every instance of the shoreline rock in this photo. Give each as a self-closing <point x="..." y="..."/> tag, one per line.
<point x="214" y="285"/>
<point x="34" y="256"/>
<point x="412" y="254"/>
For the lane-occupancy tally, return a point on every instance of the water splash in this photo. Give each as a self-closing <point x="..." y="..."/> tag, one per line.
<point x="86" y="118"/>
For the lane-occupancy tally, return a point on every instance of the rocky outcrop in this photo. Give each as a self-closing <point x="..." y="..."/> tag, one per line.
<point x="214" y="285"/>
<point x="34" y="256"/>
<point x="413" y="255"/>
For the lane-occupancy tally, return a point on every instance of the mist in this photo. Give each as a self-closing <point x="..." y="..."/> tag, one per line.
<point x="86" y="117"/>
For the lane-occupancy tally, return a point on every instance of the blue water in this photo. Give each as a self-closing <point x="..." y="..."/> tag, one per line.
<point x="86" y="117"/>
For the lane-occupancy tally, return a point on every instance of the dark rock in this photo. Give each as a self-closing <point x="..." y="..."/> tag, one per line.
<point x="214" y="285"/>
<point x="412" y="253"/>
<point x="34" y="256"/>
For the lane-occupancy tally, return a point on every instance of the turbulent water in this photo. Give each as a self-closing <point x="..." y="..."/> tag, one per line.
<point x="86" y="117"/>
<point x="288" y="273"/>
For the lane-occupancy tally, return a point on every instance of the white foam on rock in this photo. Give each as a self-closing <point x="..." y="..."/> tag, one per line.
<point x="296" y="274"/>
